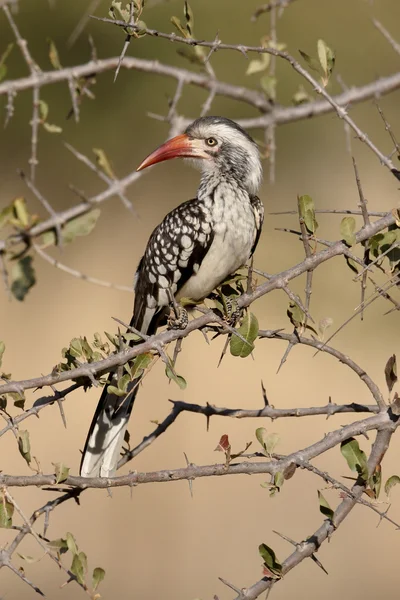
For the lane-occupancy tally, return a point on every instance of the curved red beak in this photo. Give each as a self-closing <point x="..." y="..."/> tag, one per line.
<point x="180" y="146"/>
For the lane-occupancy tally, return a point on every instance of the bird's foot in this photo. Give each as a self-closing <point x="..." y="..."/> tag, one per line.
<point x="233" y="312"/>
<point x="178" y="318"/>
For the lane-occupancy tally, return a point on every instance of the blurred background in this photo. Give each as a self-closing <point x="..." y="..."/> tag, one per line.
<point x="156" y="540"/>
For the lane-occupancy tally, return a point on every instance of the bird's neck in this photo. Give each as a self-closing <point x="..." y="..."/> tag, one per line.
<point x="211" y="180"/>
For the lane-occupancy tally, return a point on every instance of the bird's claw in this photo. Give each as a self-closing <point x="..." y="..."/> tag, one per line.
<point x="233" y="311"/>
<point x="178" y="318"/>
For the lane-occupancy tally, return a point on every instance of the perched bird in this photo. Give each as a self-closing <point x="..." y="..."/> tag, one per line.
<point x="195" y="247"/>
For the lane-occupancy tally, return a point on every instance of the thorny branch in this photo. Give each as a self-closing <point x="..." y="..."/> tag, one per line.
<point x="384" y="419"/>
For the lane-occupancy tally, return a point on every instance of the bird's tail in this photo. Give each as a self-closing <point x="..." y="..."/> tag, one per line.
<point x="106" y="434"/>
<point x="107" y="430"/>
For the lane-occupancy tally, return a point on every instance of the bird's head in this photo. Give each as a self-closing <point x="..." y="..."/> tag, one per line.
<point x="217" y="146"/>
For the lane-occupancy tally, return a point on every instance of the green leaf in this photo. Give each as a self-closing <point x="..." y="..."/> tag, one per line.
<point x="279" y="480"/>
<point x="391" y="482"/>
<point x="53" y="54"/>
<point x="21" y="212"/>
<point x="60" y="545"/>
<point x="187" y="11"/>
<point x="97" y="577"/>
<point x="295" y="314"/>
<point x="82" y="225"/>
<point x="140" y="364"/>
<point x="301" y="96"/>
<point x="22" y="277"/>
<point x="375" y="482"/>
<point x="2" y="349"/>
<point x="327" y="60"/>
<point x="24" y="445"/>
<point x="71" y="543"/>
<point x="61" y="471"/>
<point x="6" y="512"/>
<point x="313" y="63"/>
<point x="43" y="110"/>
<point x="3" y="58"/>
<point x="391" y="372"/>
<point x="258" y="65"/>
<point x="18" y="399"/>
<point x="179" y="380"/>
<point x="267" y="440"/>
<point x="249" y="331"/>
<point x="51" y="128"/>
<point x="103" y="162"/>
<point x="29" y="559"/>
<point x="177" y="23"/>
<point x="307" y="212"/>
<point x="78" y="567"/>
<point x="324" y="506"/>
<point x="355" y="457"/>
<point x="270" y="561"/>
<point x="347" y="230"/>
<point x="268" y="84"/>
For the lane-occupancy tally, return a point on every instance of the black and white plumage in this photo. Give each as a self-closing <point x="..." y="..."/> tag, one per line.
<point x="196" y="246"/>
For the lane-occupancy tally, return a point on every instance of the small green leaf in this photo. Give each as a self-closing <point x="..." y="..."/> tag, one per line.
<point x="270" y="561"/>
<point x="187" y="11"/>
<point x="391" y="372"/>
<point x="177" y="23"/>
<point x="103" y="162"/>
<point x="51" y="128"/>
<point x="60" y="545"/>
<point x="2" y="349"/>
<point x="179" y="380"/>
<point x="279" y="480"/>
<point x="313" y="63"/>
<point x="29" y="559"/>
<point x="82" y="225"/>
<point x="295" y="314"/>
<point x="324" y="506"/>
<point x="327" y="60"/>
<point x="268" y="84"/>
<point x="355" y="457"/>
<point x="22" y="277"/>
<point x="140" y="364"/>
<point x="24" y="445"/>
<point x="61" y="471"/>
<point x="21" y="212"/>
<point x="6" y="512"/>
<point x="301" y="96"/>
<point x="3" y="58"/>
<point x="347" y="230"/>
<point x="71" y="543"/>
<point x="258" y="65"/>
<point x="43" y="109"/>
<point x="79" y="566"/>
<point x="267" y="440"/>
<point x="97" y="577"/>
<point x="53" y="54"/>
<point x="307" y="212"/>
<point x="111" y="389"/>
<point x="391" y="482"/>
<point x="249" y="331"/>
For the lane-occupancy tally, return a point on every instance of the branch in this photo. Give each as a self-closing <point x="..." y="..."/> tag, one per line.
<point x="383" y="420"/>
<point x="329" y="526"/>
<point x="154" y="342"/>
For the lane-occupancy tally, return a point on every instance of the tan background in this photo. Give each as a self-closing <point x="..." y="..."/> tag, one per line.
<point x="158" y="541"/>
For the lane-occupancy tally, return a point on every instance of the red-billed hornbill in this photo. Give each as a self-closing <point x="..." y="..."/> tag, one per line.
<point x="195" y="247"/>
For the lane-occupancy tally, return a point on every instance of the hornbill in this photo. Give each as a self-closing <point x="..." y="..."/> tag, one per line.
<point x="197" y="245"/>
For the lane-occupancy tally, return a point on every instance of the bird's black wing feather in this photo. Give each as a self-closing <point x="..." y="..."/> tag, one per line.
<point x="258" y="209"/>
<point x="174" y="252"/>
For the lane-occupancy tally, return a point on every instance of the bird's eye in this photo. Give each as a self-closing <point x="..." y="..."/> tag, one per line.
<point x="211" y="141"/>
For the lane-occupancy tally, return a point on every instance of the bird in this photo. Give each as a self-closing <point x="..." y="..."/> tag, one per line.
<point x="193" y="250"/>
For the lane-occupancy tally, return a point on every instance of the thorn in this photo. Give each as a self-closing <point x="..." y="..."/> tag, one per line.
<point x="230" y="585"/>
<point x="264" y="393"/>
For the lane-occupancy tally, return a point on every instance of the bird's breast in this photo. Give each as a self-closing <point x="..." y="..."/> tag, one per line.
<point x="234" y="230"/>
